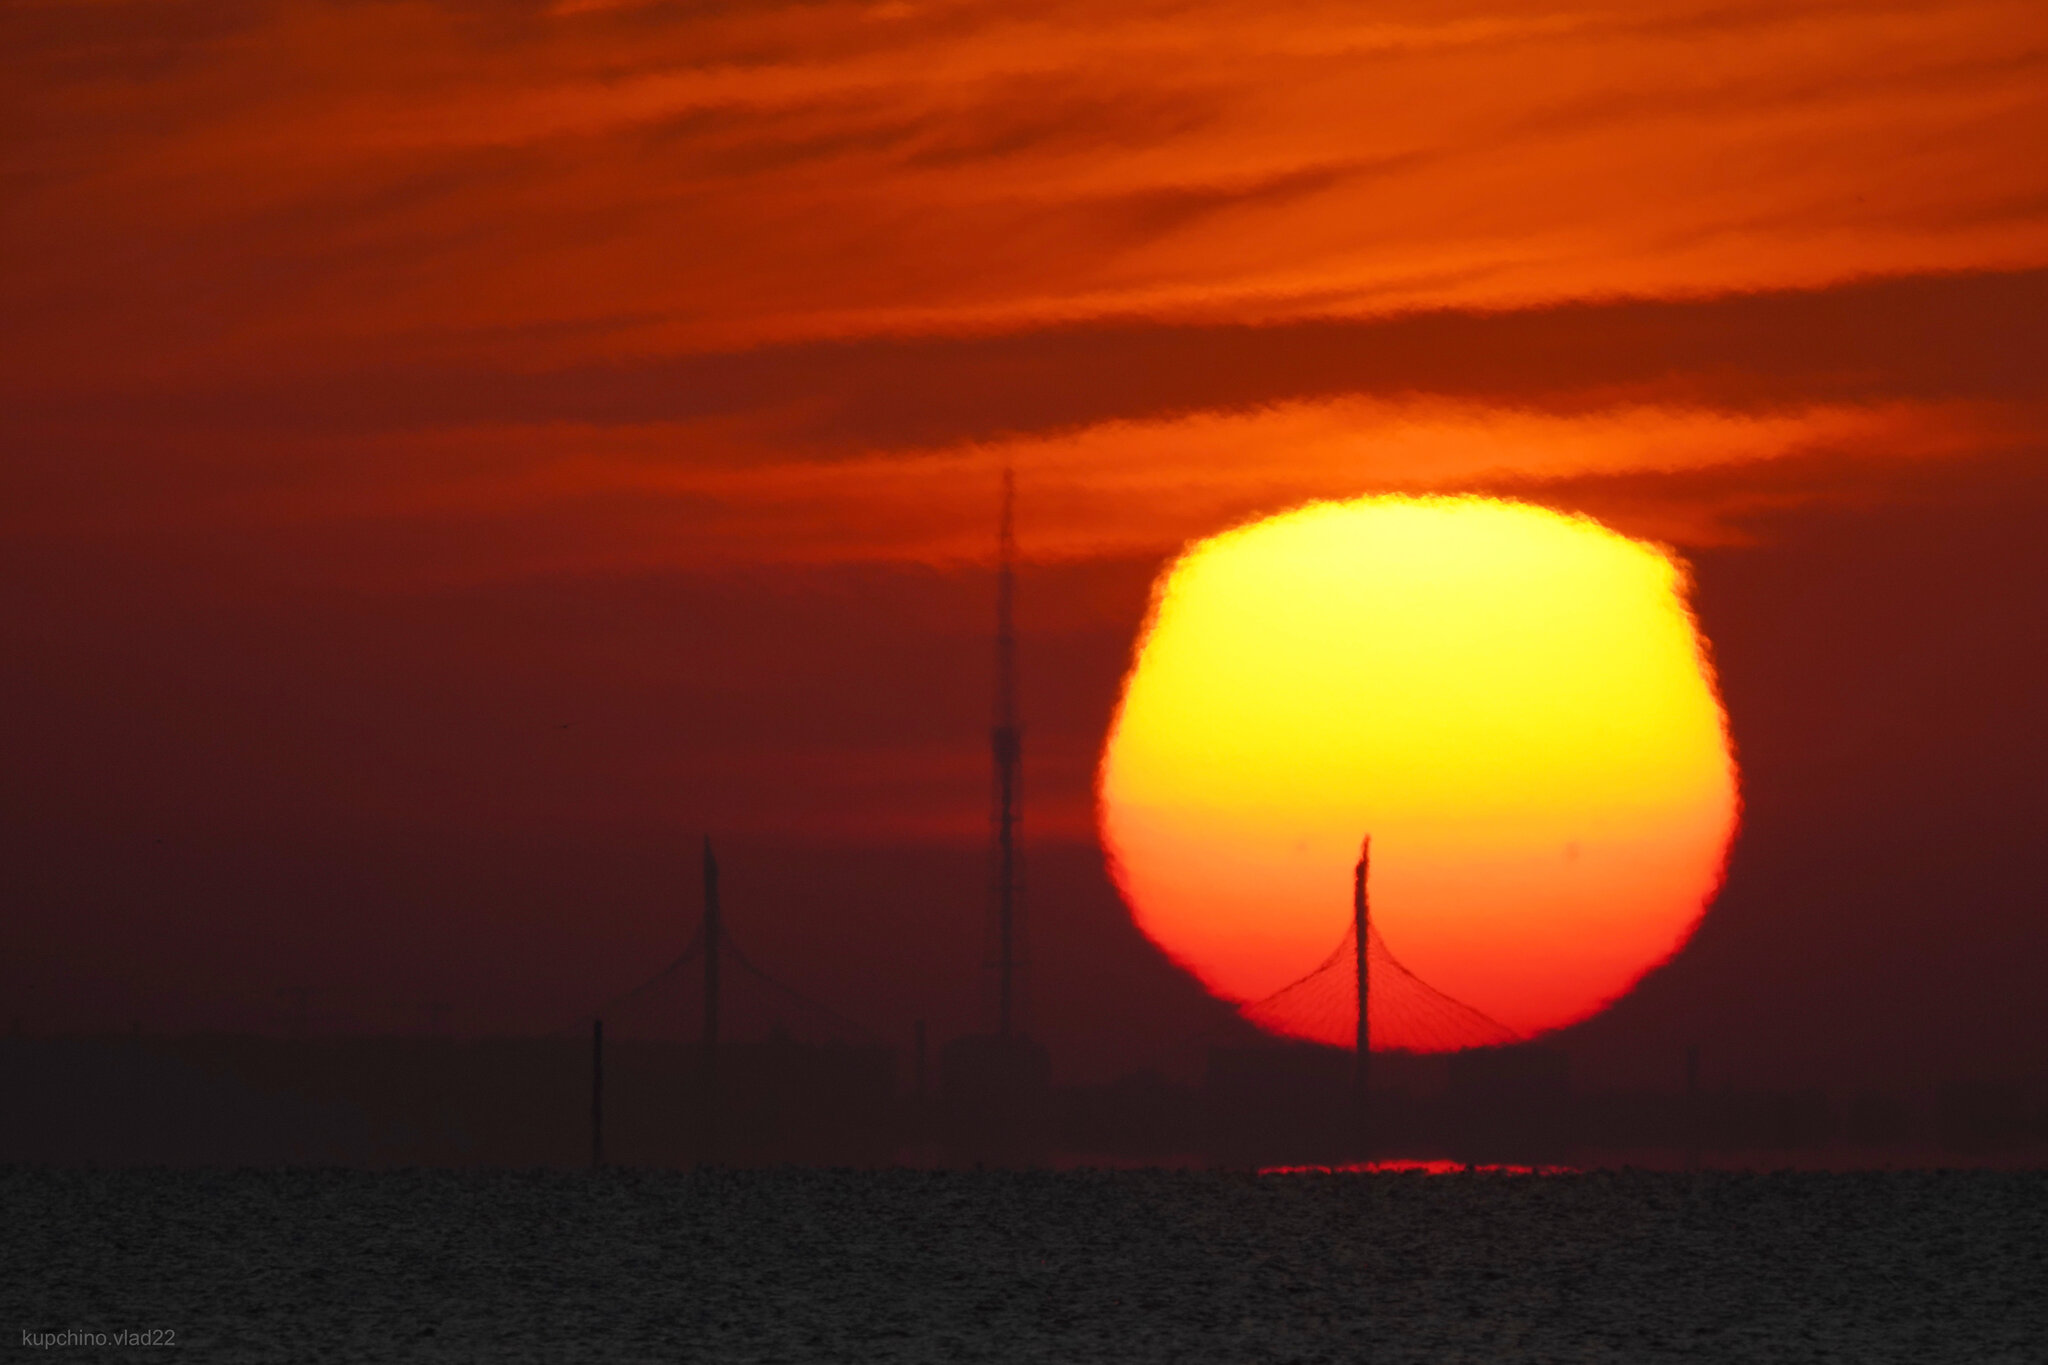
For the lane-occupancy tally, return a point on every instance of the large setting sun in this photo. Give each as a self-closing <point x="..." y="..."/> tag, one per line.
<point x="1513" y="703"/>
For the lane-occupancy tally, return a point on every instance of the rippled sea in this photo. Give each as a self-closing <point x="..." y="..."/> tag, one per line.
<point x="799" y="1265"/>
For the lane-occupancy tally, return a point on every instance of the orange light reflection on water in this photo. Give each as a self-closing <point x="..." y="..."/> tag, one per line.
<point x="1430" y="1167"/>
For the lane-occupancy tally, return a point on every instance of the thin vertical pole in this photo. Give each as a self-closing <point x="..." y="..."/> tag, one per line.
<point x="919" y="1033"/>
<point x="1692" y="1107"/>
<point x="596" y="1093"/>
<point x="714" y="934"/>
<point x="1006" y="742"/>
<point x="1361" y="931"/>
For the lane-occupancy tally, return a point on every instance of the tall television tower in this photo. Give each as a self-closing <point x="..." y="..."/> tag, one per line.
<point x="995" y="1086"/>
<point x="1006" y="740"/>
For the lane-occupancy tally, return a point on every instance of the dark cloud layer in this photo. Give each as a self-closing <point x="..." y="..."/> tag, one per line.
<point x="1969" y="336"/>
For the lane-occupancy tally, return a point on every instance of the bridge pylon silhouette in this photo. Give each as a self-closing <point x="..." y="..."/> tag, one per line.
<point x="1401" y="1012"/>
<point x="715" y="1057"/>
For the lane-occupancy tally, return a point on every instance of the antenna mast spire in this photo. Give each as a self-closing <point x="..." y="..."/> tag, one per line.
<point x="1006" y="743"/>
<point x="714" y="936"/>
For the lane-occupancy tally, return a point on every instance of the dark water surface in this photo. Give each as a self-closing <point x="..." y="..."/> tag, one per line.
<point x="798" y="1265"/>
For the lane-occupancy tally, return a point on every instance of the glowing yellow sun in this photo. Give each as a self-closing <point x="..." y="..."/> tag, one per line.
<point x="1515" y="704"/>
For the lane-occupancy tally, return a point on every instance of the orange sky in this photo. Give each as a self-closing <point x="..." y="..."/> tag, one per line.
<point x="368" y="225"/>
<point x="282" y="185"/>
<point x="380" y="382"/>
